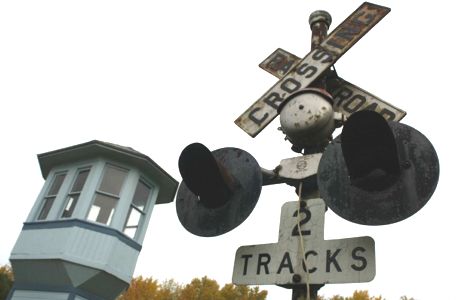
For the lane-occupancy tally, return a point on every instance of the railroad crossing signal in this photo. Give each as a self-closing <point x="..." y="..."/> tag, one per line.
<point x="326" y="261"/>
<point x="377" y="172"/>
<point x="314" y="64"/>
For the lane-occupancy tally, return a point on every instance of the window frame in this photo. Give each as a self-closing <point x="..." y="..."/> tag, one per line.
<point x="97" y="191"/>
<point x="143" y="213"/>
<point x="50" y="197"/>
<point x="69" y="193"/>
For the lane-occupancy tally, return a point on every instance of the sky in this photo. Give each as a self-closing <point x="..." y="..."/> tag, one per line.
<point x="159" y="75"/>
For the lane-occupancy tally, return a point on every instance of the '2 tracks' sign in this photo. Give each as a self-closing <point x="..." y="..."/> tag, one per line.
<point x="326" y="261"/>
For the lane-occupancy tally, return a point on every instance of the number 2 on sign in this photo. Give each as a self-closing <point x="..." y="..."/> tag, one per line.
<point x="307" y="216"/>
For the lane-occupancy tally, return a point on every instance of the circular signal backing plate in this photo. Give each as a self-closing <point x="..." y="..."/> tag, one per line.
<point x="413" y="188"/>
<point x="207" y="222"/>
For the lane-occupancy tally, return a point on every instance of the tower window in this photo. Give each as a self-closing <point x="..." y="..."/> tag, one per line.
<point x="74" y="194"/>
<point x="137" y="209"/>
<point x="51" y="196"/>
<point x="107" y="195"/>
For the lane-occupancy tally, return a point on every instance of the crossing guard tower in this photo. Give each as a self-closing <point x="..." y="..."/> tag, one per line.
<point x="85" y="231"/>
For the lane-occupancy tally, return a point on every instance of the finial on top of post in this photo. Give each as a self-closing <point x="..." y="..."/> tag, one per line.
<point x="320" y="16"/>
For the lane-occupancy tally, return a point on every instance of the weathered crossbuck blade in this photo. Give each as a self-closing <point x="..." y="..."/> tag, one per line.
<point x="313" y="65"/>
<point x="347" y="97"/>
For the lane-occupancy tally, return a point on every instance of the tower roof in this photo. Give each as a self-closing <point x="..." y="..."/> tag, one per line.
<point x="167" y="184"/>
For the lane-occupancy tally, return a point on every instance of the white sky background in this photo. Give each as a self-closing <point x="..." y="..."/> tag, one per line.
<point x="158" y="75"/>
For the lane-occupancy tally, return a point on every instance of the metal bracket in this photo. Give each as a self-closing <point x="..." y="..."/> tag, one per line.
<point x="292" y="170"/>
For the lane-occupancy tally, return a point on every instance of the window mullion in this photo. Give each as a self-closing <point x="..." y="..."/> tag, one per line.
<point x="135" y="218"/>
<point x="138" y="209"/>
<point x="123" y="207"/>
<point x="107" y="194"/>
<point x="73" y="196"/>
<point x="92" y="181"/>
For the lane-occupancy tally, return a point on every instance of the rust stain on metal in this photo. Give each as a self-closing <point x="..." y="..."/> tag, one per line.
<point x="354" y="27"/>
<point x="313" y="65"/>
<point x="254" y="119"/>
<point x="319" y="33"/>
<point x="279" y="63"/>
<point x="347" y="97"/>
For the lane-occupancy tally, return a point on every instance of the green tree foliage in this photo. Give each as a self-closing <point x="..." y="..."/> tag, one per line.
<point x="6" y="281"/>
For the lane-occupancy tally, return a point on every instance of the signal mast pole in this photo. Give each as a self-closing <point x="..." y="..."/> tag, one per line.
<point x="319" y="22"/>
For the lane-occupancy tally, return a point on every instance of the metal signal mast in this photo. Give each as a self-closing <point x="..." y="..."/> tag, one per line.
<point x="378" y="171"/>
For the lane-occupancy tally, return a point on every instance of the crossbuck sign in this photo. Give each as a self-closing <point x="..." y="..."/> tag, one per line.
<point x="308" y="69"/>
<point x="347" y="97"/>
<point x="326" y="261"/>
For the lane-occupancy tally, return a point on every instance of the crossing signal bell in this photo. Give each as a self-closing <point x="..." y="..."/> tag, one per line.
<point x="307" y="118"/>
<point x="219" y="189"/>
<point x="377" y="172"/>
